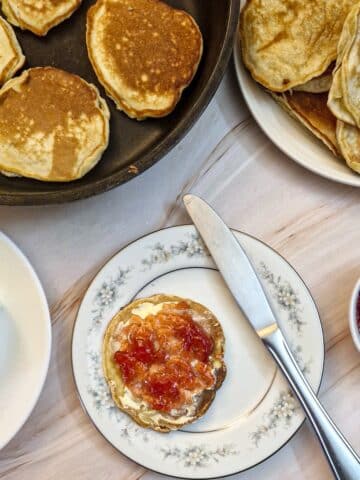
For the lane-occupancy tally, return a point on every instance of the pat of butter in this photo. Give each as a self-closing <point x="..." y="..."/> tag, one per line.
<point x="147" y="308"/>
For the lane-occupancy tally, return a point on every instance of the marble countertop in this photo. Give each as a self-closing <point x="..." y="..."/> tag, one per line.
<point x="227" y="160"/>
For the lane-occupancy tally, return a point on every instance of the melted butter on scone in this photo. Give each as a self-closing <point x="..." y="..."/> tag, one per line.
<point x="147" y="308"/>
<point x="176" y="415"/>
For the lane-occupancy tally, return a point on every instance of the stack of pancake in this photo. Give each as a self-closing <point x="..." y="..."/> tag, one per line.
<point x="54" y="126"/>
<point x="305" y="53"/>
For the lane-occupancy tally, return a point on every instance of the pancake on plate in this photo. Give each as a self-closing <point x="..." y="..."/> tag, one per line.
<point x="54" y="126"/>
<point x="144" y="52"/>
<point x="320" y="84"/>
<point x="344" y="95"/>
<point x="348" y="138"/>
<point x="337" y="101"/>
<point x="311" y="110"/>
<point x="38" y="16"/>
<point x="286" y="43"/>
<point x="350" y="74"/>
<point x="163" y="361"/>
<point x="11" y="56"/>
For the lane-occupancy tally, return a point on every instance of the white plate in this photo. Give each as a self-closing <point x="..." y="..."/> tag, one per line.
<point x="254" y="412"/>
<point x="288" y="134"/>
<point x="25" y="338"/>
<point x="353" y="315"/>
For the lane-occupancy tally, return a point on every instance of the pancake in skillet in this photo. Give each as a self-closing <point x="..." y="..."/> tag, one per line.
<point x="286" y="43"/>
<point x="163" y="361"/>
<point x="311" y="110"/>
<point x="144" y="52"/>
<point x="54" y="126"/>
<point x="11" y="56"/>
<point x="38" y="16"/>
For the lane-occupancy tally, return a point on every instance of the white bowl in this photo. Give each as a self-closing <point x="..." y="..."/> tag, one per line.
<point x="25" y="328"/>
<point x="352" y="315"/>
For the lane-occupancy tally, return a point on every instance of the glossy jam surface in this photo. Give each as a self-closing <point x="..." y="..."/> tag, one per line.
<point x="164" y="358"/>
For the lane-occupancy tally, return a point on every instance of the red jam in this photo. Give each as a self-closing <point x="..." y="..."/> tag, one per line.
<point x="164" y="358"/>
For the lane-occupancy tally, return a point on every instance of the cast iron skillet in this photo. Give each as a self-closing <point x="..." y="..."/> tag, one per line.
<point x="134" y="146"/>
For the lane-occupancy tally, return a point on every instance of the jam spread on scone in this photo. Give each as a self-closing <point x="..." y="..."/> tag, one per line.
<point x="164" y="358"/>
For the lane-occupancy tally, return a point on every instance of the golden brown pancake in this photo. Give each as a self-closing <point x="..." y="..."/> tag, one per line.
<point x="144" y="52"/>
<point x="54" y="126"/>
<point x="11" y="56"/>
<point x="336" y="101"/>
<point x="319" y="84"/>
<point x="286" y="43"/>
<point x="316" y="85"/>
<point x="312" y="111"/>
<point x="337" y="98"/>
<point x="350" y="72"/>
<point x="38" y="16"/>
<point x="348" y="138"/>
<point x="163" y="361"/>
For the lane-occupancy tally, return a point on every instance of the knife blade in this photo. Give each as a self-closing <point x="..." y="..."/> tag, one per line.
<point x="234" y="265"/>
<point x="244" y="284"/>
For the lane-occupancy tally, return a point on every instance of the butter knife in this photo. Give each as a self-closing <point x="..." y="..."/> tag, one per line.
<point x="244" y="284"/>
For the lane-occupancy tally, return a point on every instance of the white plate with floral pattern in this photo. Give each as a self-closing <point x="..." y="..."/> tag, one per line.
<point x="254" y="413"/>
<point x="25" y="339"/>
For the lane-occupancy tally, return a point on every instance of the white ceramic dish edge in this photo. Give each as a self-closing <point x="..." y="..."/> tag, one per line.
<point x="46" y="312"/>
<point x="354" y="329"/>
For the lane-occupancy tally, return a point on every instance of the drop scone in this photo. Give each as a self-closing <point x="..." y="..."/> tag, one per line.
<point x="144" y="52"/>
<point x="344" y="96"/>
<point x="54" y="126"/>
<point x="336" y="101"/>
<point x="38" y="16"/>
<point x="312" y="111"/>
<point x="163" y="361"/>
<point x="286" y="43"/>
<point x="319" y="84"/>
<point x="348" y="138"/>
<point x="11" y="56"/>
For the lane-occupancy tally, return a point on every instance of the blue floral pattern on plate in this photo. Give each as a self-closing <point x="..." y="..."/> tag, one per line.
<point x="277" y="417"/>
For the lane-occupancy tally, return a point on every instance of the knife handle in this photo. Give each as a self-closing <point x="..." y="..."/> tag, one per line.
<point x="343" y="461"/>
